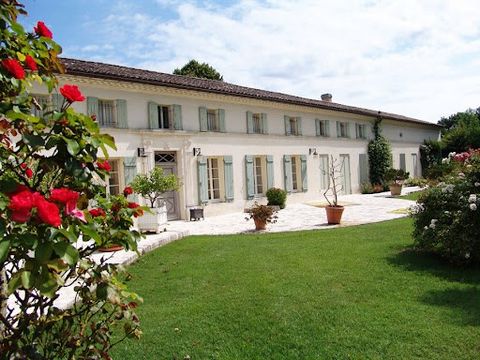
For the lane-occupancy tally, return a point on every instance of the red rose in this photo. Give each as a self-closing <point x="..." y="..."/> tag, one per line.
<point x="47" y="211"/>
<point x="30" y="62"/>
<point x="21" y="204"/>
<point x="29" y="173"/>
<point x="42" y="30"/>
<point x="104" y="165"/>
<point x="97" y="212"/>
<point x="23" y="166"/>
<point x="127" y="191"/>
<point x="65" y="196"/>
<point x="21" y="216"/>
<point x="71" y="93"/>
<point x="14" y="68"/>
<point x="132" y="205"/>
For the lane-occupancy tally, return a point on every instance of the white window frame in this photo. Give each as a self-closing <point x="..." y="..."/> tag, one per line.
<point x="343" y="129"/>
<point x="210" y="178"/>
<point x="259" y="178"/>
<point x="361" y="131"/>
<point x="293" y="121"/>
<point x="213" y="121"/>
<point x="116" y="164"/>
<point x="323" y="128"/>
<point x="257" y="123"/>
<point x="297" y="180"/>
<point x="102" y="110"/>
<point x="161" y="119"/>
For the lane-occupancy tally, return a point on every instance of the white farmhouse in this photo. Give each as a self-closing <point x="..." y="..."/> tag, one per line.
<point x="230" y="143"/>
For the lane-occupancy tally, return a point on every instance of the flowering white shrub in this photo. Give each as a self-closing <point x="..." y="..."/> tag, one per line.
<point x="446" y="217"/>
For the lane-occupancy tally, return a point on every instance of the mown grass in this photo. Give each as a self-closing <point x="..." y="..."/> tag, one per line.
<point x="412" y="196"/>
<point x="348" y="293"/>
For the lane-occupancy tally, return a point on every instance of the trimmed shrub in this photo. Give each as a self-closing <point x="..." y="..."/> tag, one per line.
<point x="446" y="216"/>
<point x="379" y="156"/>
<point x="366" y="188"/>
<point x="277" y="196"/>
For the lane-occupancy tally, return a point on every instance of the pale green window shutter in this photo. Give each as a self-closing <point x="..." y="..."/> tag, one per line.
<point x="299" y="126"/>
<point x="339" y="132"/>
<point x="348" y="126"/>
<point x="317" y="127"/>
<point x="202" y="116"/>
<point x="202" y="180"/>
<point x="288" y="130"/>
<point x="221" y="119"/>
<point x="402" y="162"/>
<point x="152" y="115"/>
<point x="287" y="169"/>
<point x="324" y="177"/>
<point x="363" y="166"/>
<point x="129" y="169"/>
<point x="177" y="117"/>
<point x="57" y="101"/>
<point x="228" y="171"/>
<point x="249" y="177"/>
<point x="327" y="127"/>
<point x="92" y="106"/>
<point x="303" y="160"/>
<point x="122" y="121"/>
<point x="249" y="122"/>
<point x="356" y="130"/>
<point x="264" y="123"/>
<point x="269" y="171"/>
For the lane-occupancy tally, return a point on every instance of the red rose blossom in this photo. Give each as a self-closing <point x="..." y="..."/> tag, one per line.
<point x="31" y="63"/>
<point x="97" y="212"/>
<point x="104" y="165"/>
<point x="14" y="68"/>
<point x="71" y="93"/>
<point x="21" y="204"/>
<point x="42" y="30"/>
<point x="127" y="191"/>
<point x="47" y="211"/>
<point x="29" y="173"/>
<point x="23" y="166"/>
<point x="132" y="205"/>
<point x="65" y="196"/>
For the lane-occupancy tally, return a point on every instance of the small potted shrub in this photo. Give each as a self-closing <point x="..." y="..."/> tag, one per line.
<point x="395" y="179"/>
<point x="276" y="197"/>
<point x="151" y="187"/>
<point x="261" y="215"/>
<point x="333" y="209"/>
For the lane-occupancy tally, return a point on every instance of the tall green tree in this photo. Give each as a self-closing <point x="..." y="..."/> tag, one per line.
<point x="461" y="131"/>
<point x="200" y="70"/>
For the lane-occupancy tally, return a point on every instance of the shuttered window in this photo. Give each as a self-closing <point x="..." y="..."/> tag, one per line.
<point x="213" y="168"/>
<point x="106" y="113"/>
<point x="215" y="178"/>
<point x="258" y="171"/>
<point x="361" y="131"/>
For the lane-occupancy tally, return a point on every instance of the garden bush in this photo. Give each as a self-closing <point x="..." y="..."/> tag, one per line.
<point x="447" y="216"/>
<point x="277" y="197"/>
<point x="379" y="156"/>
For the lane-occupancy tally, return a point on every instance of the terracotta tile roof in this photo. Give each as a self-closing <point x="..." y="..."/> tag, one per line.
<point x="116" y="72"/>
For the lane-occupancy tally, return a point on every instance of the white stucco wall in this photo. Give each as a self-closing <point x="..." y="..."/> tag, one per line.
<point x="405" y="137"/>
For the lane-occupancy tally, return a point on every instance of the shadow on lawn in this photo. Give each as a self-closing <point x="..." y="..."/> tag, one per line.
<point x="419" y="261"/>
<point x="464" y="301"/>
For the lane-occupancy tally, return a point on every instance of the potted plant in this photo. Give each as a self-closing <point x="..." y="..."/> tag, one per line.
<point x="261" y="215"/>
<point x="151" y="187"/>
<point x="333" y="209"/>
<point x="395" y="179"/>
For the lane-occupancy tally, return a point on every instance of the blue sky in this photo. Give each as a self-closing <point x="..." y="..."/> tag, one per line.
<point x="416" y="58"/>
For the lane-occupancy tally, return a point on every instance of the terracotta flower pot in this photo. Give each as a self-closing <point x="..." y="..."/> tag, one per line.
<point x="260" y="224"/>
<point x="334" y="214"/>
<point x="395" y="189"/>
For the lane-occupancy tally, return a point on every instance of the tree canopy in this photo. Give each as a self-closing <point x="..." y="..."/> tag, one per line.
<point x="200" y="70"/>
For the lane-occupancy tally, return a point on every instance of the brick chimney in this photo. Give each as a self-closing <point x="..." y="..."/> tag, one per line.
<point x="327" y="97"/>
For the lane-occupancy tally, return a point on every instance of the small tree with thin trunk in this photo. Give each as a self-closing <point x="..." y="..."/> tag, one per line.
<point x="154" y="185"/>
<point x="334" y="174"/>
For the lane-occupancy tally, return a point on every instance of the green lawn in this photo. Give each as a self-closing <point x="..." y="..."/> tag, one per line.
<point x="349" y="293"/>
<point x="411" y="196"/>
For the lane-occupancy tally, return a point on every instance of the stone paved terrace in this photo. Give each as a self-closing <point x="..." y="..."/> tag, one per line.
<point x="359" y="209"/>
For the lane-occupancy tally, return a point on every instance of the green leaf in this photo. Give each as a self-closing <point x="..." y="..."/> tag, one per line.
<point x="33" y="140"/>
<point x="90" y="232"/>
<point x="15" y="282"/>
<point x="67" y="252"/>
<point x="4" y="247"/>
<point x="27" y="279"/>
<point x="69" y="234"/>
<point x="43" y="252"/>
<point x="72" y="146"/>
<point x="108" y="140"/>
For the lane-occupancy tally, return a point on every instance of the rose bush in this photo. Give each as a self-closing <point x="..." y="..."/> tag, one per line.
<point x="49" y="174"/>
<point x="447" y="216"/>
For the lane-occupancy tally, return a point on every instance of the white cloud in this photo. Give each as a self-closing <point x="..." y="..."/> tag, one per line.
<point x="410" y="57"/>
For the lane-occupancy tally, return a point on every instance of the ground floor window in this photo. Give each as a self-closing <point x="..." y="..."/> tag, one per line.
<point x="113" y="178"/>
<point x="215" y="175"/>
<point x="296" y="173"/>
<point x="259" y="175"/>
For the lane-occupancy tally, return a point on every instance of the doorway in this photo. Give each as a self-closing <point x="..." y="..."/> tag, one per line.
<point x="168" y="162"/>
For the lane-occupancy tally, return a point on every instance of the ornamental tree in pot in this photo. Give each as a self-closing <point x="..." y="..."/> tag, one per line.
<point x="48" y="164"/>
<point x="395" y="179"/>
<point x="333" y="209"/>
<point x="151" y="187"/>
<point x="261" y="215"/>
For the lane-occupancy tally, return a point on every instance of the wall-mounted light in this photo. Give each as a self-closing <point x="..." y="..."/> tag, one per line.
<point x="141" y="152"/>
<point x="312" y="151"/>
<point x="197" y="152"/>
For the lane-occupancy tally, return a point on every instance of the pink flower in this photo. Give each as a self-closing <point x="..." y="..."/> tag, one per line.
<point x="79" y="214"/>
<point x="67" y="197"/>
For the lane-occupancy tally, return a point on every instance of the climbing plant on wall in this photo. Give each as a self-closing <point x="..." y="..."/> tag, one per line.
<point x="379" y="155"/>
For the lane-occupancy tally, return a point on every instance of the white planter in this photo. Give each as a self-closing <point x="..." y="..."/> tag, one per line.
<point x="153" y="222"/>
